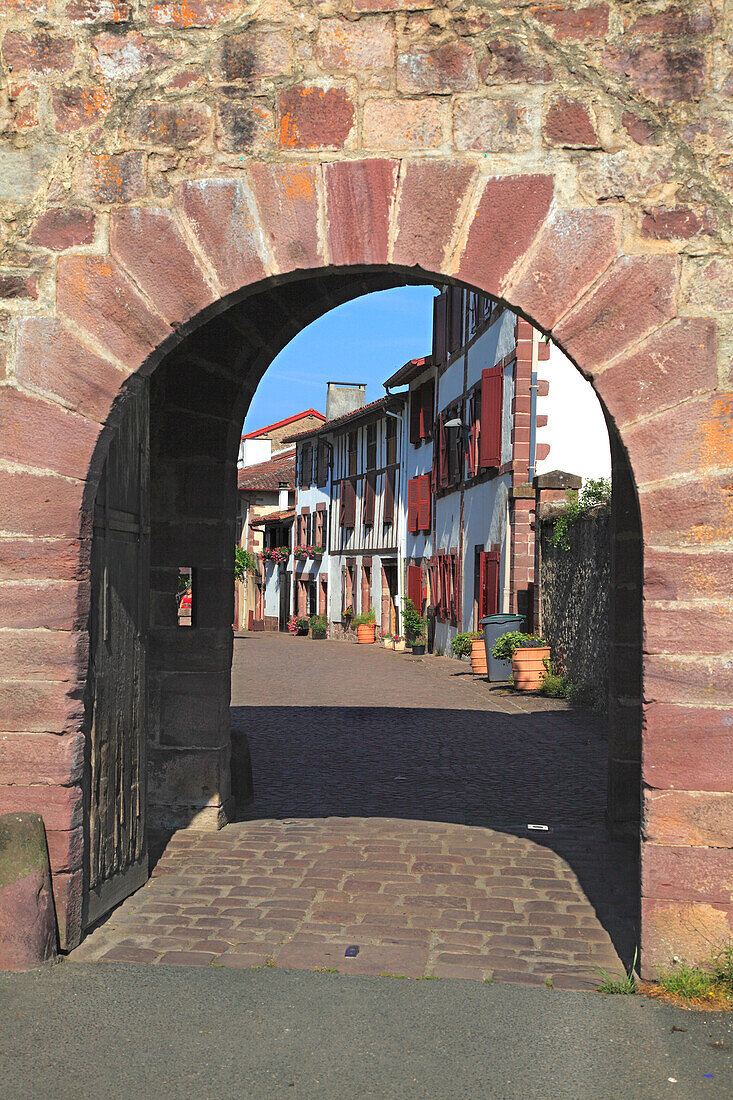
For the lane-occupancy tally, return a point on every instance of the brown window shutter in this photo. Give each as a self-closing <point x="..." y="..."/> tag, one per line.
<point x="414" y="585"/>
<point x="440" y="317"/>
<point x="350" y="484"/>
<point x="415" y="408"/>
<point x="491" y="416"/>
<point x="389" y="494"/>
<point x="427" y="400"/>
<point x="443" y="453"/>
<point x="413" y="505"/>
<point x="369" y="497"/>
<point x="489" y="583"/>
<point x="455" y="327"/>
<point x="423" y="496"/>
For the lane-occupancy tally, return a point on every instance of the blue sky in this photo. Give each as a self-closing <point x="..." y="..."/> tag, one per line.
<point x="362" y="341"/>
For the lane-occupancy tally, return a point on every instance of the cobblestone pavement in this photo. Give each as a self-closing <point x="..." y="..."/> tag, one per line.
<point x="393" y="799"/>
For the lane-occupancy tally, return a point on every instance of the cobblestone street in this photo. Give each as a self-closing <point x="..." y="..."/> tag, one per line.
<point x="393" y="799"/>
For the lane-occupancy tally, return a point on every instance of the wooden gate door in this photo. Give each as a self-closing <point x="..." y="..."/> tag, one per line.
<point x="116" y="848"/>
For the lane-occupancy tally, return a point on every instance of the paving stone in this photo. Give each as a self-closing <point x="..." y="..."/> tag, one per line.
<point x="187" y="958"/>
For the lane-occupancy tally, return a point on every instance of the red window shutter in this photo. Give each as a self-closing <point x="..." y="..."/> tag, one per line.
<point x="427" y="400"/>
<point x="414" y="585"/>
<point x="455" y="326"/>
<point x="423" y="498"/>
<point x="369" y="497"/>
<point x="442" y="453"/>
<point x="415" y="409"/>
<point x="389" y="493"/>
<point x="491" y="416"/>
<point x="413" y="505"/>
<point x="489" y="596"/>
<point x="440" y="317"/>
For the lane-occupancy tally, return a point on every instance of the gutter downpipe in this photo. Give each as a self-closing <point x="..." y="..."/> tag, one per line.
<point x="400" y="503"/>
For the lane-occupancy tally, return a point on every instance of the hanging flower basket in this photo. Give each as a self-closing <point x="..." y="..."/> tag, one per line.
<point x="277" y="554"/>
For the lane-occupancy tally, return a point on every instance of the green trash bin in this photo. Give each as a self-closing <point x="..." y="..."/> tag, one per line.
<point x="494" y="626"/>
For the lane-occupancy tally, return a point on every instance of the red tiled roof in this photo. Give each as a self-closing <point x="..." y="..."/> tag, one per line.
<point x="282" y="423"/>
<point x="273" y="517"/>
<point x="277" y="473"/>
<point x="411" y="369"/>
<point x="393" y="400"/>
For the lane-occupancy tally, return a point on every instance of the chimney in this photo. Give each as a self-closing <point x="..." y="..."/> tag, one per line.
<point x="344" y="397"/>
<point x="282" y="500"/>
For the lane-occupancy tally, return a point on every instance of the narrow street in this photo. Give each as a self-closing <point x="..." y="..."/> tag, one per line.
<point x="393" y="802"/>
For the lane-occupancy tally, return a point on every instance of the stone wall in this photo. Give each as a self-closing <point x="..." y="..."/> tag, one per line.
<point x="575" y="594"/>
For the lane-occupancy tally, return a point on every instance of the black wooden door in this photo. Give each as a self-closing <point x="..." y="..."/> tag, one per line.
<point x="116" y="849"/>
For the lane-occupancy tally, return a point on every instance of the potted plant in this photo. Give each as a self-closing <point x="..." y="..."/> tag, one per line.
<point x="300" y="553"/>
<point x="414" y="626"/>
<point x="319" y="627"/>
<point x="529" y="654"/>
<point x="366" y="626"/>
<point x="471" y="644"/>
<point x="387" y="641"/>
<point x="314" y="552"/>
<point x="277" y="554"/>
<point x="399" y="643"/>
<point x="298" y="626"/>
<point x="347" y="616"/>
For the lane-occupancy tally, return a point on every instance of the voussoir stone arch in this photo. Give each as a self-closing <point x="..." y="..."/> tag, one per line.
<point x="568" y="161"/>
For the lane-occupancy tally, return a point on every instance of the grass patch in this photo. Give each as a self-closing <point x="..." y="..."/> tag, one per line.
<point x="624" y="986"/>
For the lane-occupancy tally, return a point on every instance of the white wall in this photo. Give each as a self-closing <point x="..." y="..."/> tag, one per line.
<point x="253" y="451"/>
<point x="576" y="430"/>
<point x="272" y="589"/>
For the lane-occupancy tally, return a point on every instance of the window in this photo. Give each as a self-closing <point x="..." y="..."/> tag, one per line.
<point x="418" y="503"/>
<point x="487" y="596"/>
<point x="455" y="319"/>
<point x="352" y="452"/>
<point x="371" y="447"/>
<point x="390" y="478"/>
<point x="185" y="596"/>
<point x="440" y="328"/>
<point x="446" y="584"/>
<point x="322" y="463"/>
<point x="306" y="466"/>
<point x="391" y="441"/>
<point x="421" y="411"/>
<point x="474" y="431"/>
<point x="319" y="530"/>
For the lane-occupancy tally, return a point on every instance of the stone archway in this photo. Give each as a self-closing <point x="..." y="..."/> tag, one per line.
<point x="383" y="138"/>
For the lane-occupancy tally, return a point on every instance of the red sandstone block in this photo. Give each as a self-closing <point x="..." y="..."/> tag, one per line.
<point x="510" y="213"/>
<point x="492" y="125"/>
<point x="38" y="432"/>
<point x="688" y="748"/>
<point x="98" y="11"/>
<point x="50" y="358"/>
<point x="176" y="125"/>
<point x="688" y="818"/>
<point x="112" y="177"/>
<point x="359" y="200"/>
<point x="151" y="247"/>
<point x="41" y="505"/>
<point x="431" y="191"/>
<point x="669" y="73"/>
<point x="95" y="294"/>
<point x="287" y="199"/>
<point x="442" y="69"/>
<point x="182" y="14"/>
<point x="686" y="930"/>
<point x="700" y="630"/>
<point x="53" y="605"/>
<point x="63" y="227"/>
<point x="67" y="896"/>
<point x="679" y="360"/>
<point x="76" y="107"/>
<point x="19" y="286"/>
<point x="391" y="5"/>
<point x="674" y="21"/>
<point x="691" y="438"/>
<point x="568" y="123"/>
<point x="46" y="707"/>
<point x="508" y="62"/>
<point x="576" y="23"/>
<point x="688" y="874"/>
<point x="126" y="57"/>
<point x="60" y="807"/>
<point x="28" y="759"/>
<point x="31" y="559"/>
<point x="363" y="44"/>
<point x="40" y="53"/>
<point x="693" y="513"/>
<point x="711" y="286"/>
<point x="633" y="299"/>
<point x="246" y="124"/>
<point x="311" y="118"/>
<point x="395" y="124"/>
<point x="255" y="54"/>
<point x="65" y="849"/>
<point x="227" y="231"/>
<point x="686" y="576"/>
<point x="688" y="680"/>
<point x="642" y="131"/>
<point x="677" y="224"/>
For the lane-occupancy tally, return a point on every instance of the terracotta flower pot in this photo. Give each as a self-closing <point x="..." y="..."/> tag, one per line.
<point x="528" y="667"/>
<point x="365" y="634"/>
<point x="478" y="658"/>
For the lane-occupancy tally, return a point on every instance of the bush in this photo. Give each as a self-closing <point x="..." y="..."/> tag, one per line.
<point x="412" y="622"/>
<point x="367" y="618"/>
<point x="596" y="492"/>
<point x="555" y="684"/>
<point x="244" y="563"/>
<point x="318" y="624"/>
<point x="461" y="644"/>
<point x="297" y="624"/>
<point x="505" y="646"/>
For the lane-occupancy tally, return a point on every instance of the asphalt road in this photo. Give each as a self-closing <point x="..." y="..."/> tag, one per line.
<point x="113" y="1030"/>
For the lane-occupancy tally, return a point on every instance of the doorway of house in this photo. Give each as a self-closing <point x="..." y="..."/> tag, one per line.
<point x="390" y="619"/>
<point x="284" y="613"/>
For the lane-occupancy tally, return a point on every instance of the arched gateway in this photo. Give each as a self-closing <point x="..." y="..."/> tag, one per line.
<point x="269" y="165"/>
